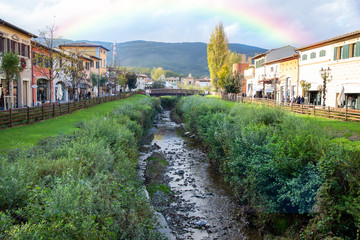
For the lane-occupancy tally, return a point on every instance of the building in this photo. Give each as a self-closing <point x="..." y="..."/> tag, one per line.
<point x="239" y="68"/>
<point x="204" y="82"/>
<point x="340" y="56"/>
<point x="249" y="75"/>
<point x="172" y="82"/>
<point x="15" y="39"/>
<point x="141" y="80"/>
<point x="267" y="74"/>
<point x="91" y="49"/>
<point x="189" y="80"/>
<point x="42" y="82"/>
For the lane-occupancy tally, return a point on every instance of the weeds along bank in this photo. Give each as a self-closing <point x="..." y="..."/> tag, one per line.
<point x="80" y="186"/>
<point x="285" y="170"/>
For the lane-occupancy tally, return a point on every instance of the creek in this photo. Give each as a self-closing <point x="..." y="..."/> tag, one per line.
<point x="198" y="203"/>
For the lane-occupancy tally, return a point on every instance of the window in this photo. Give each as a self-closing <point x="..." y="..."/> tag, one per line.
<point x="92" y="63"/>
<point x="354" y="50"/>
<point x="313" y="55"/>
<point x="304" y="57"/>
<point x="97" y="64"/>
<point x="322" y="53"/>
<point x="87" y="66"/>
<point x="271" y="69"/>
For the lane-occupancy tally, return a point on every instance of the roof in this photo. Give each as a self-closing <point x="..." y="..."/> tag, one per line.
<point x="7" y="24"/>
<point x="92" y="56"/>
<point x="331" y="40"/>
<point x="83" y="44"/>
<point x="284" y="58"/>
<point x="278" y="53"/>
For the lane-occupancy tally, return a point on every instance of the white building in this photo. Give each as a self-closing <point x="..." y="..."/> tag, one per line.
<point x="141" y="80"/>
<point x="267" y="72"/>
<point x="340" y="56"/>
<point x="205" y="82"/>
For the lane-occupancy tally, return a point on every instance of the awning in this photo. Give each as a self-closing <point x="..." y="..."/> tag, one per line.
<point x="257" y="88"/>
<point x="315" y="87"/>
<point x="350" y="88"/>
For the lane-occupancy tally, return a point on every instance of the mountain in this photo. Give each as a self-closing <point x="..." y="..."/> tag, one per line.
<point x="184" y="58"/>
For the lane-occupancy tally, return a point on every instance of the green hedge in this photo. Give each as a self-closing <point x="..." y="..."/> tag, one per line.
<point x="277" y="163"/>
<point x="81" y="186"/>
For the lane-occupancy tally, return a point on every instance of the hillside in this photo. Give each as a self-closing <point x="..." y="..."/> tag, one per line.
<point x="184" y="58"/>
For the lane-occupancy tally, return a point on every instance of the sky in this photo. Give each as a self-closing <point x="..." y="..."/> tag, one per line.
<point x="262" y="23"/>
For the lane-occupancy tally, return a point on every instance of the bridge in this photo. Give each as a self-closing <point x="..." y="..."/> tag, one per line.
<point x="173" y="92"/>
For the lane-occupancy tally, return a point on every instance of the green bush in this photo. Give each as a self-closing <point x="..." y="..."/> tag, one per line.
<point x="277" y="163"/>
<point x="83" y="186"/>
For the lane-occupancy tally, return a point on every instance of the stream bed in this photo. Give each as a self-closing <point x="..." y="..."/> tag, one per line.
<point x="198" y="205"/>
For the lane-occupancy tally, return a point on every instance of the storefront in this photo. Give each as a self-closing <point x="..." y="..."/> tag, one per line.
<point x="353" y="100"/>
<point x="314" y="97"/>
<point x="6" y="101"/>
<point x="43" y="91"/>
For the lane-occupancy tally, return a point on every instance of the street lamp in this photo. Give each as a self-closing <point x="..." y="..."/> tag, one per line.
<point x="325" y="74"/>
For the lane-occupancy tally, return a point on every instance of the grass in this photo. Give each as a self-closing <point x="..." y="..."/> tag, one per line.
<point x="28" y="135"/>
<point x="350" y="130"/>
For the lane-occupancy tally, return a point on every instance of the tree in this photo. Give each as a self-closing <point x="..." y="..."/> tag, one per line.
<point x="74" y="70"/>
<point x="305" y="86"/>
<point x="218" y="56"/>
<point x="98" y="81"/>
<point x="47" y="60"/>
<point x="131" y="80"/>
<point x="157" y="73"/>
<point x="234" y="83"/>
<point x="11" y="66"/>
<point x="234" y="57"/>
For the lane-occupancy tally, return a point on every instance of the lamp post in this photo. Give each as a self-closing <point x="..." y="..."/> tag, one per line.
<point x="325" y="74"/>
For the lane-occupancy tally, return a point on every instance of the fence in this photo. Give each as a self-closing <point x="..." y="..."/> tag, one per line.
<point x="21" y="116"/>
<point x="344" y="114"/>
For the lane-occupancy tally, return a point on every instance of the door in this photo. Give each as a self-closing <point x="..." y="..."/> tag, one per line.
<point x="25" y="93"/>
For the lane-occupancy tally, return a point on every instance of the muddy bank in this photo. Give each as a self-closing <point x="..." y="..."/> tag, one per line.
<point x="186" y="189"/>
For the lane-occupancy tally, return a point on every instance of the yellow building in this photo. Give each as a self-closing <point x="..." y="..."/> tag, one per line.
<point x="96" y="50"/>
<point x="15" y="39"/>
<point x="289" y="69"/>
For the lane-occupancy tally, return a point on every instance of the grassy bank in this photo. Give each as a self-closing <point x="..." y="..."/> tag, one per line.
<point x="26" y="136"/>
<point x="83" y="185"/>
<point x="298" y="179"/>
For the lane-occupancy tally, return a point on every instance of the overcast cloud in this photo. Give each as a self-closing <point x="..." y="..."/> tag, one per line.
<point x="185" y="20"/>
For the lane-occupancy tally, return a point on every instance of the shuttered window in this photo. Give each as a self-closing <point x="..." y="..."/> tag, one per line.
<point x="345" y="52"/>
<point x="357" y="49"/>
<point x="304" y="57"/>
<point x="1" y="45"/>
<point x="313" y="55"/>
<point x="322" y="53"/>
<point x="335" y="53"/>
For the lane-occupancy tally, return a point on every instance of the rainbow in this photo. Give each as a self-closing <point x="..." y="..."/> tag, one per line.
<point x="260" y="20"/>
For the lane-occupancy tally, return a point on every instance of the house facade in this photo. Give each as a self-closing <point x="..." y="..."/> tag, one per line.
<point x="189" y="80"/>
<point x="268" y="79"/>
<point x="203" y="82"/>
<point x="141" y="80"/>
<point x="17" y="40"/>
<point x="91" y="49"/>
<point x="239" y="68"/>
<point x="340" y="56"/>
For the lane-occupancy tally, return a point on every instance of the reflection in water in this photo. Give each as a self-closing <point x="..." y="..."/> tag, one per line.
<point x="203" y="206"/>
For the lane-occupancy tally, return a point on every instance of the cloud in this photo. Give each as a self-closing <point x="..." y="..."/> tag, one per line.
<point x="186" y="20"/>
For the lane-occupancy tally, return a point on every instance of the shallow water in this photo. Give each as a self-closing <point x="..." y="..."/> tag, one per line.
<point x="203" y="206"/>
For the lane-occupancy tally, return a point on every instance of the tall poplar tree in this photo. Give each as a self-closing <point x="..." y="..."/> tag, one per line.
<point x="218" y="56"/>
